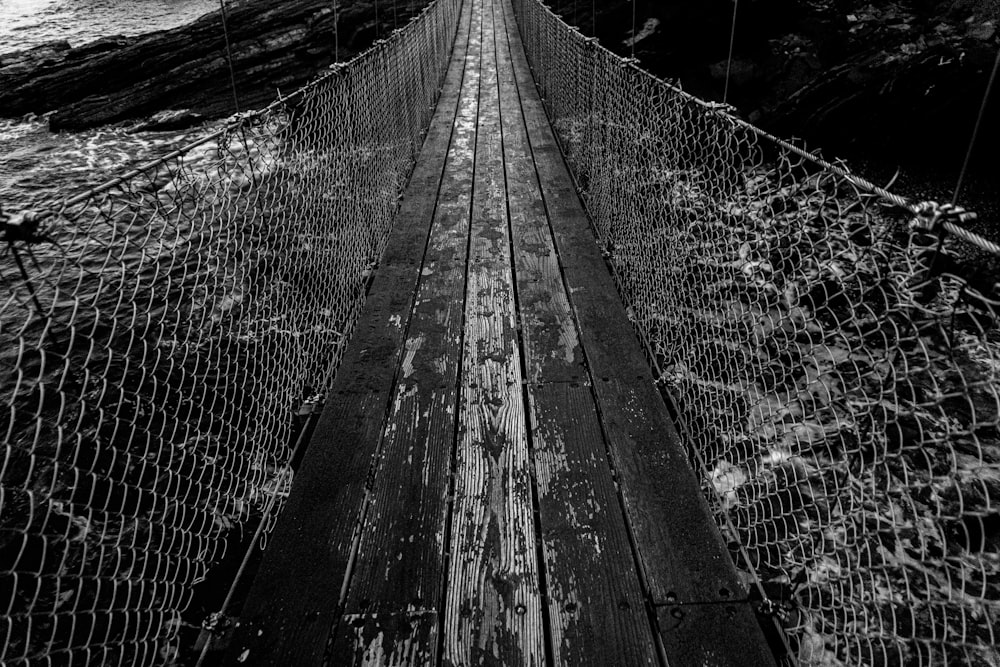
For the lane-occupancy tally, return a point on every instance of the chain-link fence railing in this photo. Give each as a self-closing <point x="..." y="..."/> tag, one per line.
<point x="831" y="351"/>
<point x="159" y="336"/>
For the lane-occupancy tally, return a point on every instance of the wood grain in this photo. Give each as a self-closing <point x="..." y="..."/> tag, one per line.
<point x="713" y="635"/>
<point x="434" y="378"/>
<point x="551" y="343"/>
<point x="656" y="481"/>
<point x="595" y="601"/>
<point x="596" y="604"/>
<point x="400" y="555"/>
<point x="294" y="601"/>
<point x="407" y="639"/>
<point x="493" y="609"/>
<point x="684" y="559"/>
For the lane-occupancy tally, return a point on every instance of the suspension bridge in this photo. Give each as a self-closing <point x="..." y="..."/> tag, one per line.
<point x="488" y="347"/>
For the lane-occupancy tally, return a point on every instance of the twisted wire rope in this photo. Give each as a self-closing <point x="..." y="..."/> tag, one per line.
<point x="830" y="351"/>
<point x="162" y="338"/>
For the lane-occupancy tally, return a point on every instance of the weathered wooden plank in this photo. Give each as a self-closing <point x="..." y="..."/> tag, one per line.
<point x="644" y="444"/>
<point x="400" y="555"/>
<point x="595" y="601"/>
<point x="551" y="345"/>
<point x="293" y="601"/>
<point x="406" y="639"/>
<point x="683" y="556"/>
<point x="493" y="609"/>
<point x="295" y="597"/>
<point x="597" y="610"/>
<point x="684" y="629"/>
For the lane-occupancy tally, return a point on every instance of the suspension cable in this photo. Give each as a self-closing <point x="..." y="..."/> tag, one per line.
<point x="633" y="29"/>
<point x="975" y="130"/>
<point x="229" y="55"/>
<point x="729" y="60"/>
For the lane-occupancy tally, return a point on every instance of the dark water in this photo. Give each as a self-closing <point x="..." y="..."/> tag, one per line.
<point x="39" y="168"/>
<point x="27" y="23"/>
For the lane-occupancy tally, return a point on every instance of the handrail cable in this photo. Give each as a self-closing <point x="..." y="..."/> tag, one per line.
<point x="717" y="108"/>
<point x="234" y="124"/>
<point x="724" y="111"/>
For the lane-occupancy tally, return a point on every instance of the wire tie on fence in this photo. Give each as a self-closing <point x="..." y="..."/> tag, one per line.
<point x="932" y="217"/>
<point x="629" y="62"/>
<point x="240" y="117"/>
<point x="216" y="623"/>
<point x="213" y="628"/>
<point x="24" y="227"/>
<point x="311" y="405"/>
<point x="726" y="109"/>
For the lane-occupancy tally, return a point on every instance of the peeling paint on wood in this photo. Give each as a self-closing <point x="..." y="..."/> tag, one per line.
<point x="407" y="639"/>
<point x="595" y="601"/>
<point x="493" y="610"/>
<point x="400" y="564"/>
<point x="292" y="606"/>
<point x="435" y="370"/>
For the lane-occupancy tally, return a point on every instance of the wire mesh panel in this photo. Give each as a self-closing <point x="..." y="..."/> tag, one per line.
<point x="831" y="351"/>
<point x="160" y="335"/>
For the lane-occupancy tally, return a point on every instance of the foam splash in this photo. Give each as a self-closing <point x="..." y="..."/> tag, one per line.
<point x="39" y="168"/>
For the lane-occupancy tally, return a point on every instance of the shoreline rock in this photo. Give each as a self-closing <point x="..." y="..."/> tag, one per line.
<point x="115" y="79"/>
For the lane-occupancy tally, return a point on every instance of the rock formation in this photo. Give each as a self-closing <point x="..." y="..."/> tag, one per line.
<point x="275" y="46"/>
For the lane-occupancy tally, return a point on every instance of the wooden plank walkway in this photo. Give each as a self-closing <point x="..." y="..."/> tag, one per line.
<point x="494" y="479"/>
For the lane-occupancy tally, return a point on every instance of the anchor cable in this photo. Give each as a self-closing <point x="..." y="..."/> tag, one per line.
<point x="229" y="55"/>
<point x="729" y="60"/>
<point x="975" y="130"/>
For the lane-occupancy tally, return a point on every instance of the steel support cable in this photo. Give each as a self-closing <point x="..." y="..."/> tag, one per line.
<point x="729" y="59"/>
<point x="209" y="302"/>
<point x="723" y="111"/>
<point x="229" y="55"/>
<point x="633" y="29"/>
<point x="863" y="183"/>
<point x="976" y="127"/>
<point x="825" y="379"/>
<point x="220" y="617"/>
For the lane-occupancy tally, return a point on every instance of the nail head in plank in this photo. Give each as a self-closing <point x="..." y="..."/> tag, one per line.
<point x="712" y="635"/>
<point x="678" y="539"/>
<point x="684" y="556"/>
<point x="595" y="597"/>
<point x="400" y="554"/>
<point x="493" y="608"/>
<point x="291" y="606"/>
